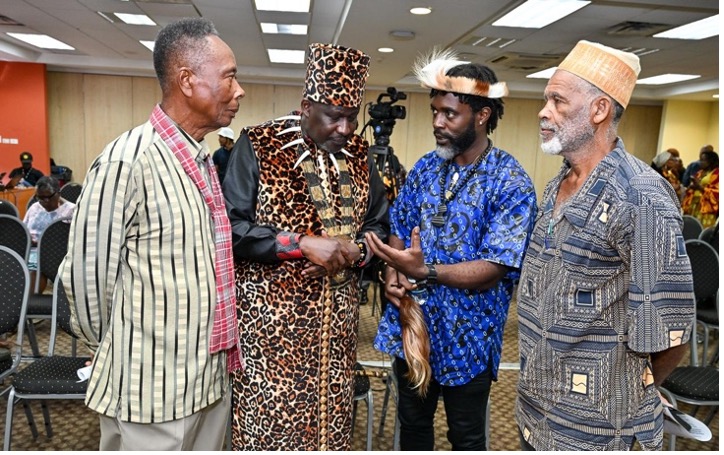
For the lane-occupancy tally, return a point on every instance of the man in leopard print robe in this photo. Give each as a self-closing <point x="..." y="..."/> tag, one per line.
<point x="301" y="192"/>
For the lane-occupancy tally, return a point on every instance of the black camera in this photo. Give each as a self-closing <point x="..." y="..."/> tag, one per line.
<point x="384" y="114"/>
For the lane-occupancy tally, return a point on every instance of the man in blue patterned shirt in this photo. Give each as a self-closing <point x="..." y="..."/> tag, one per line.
<point x="460" y="226"/>
<point x="605" y="299"/>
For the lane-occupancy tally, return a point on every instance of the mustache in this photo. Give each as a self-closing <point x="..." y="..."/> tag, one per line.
<point x="437" y="132"/>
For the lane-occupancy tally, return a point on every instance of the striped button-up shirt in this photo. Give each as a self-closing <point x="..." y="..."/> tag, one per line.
<point x="140" y="277"/>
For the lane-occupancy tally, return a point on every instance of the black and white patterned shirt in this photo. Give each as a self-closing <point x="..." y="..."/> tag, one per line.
<point x="605" y="282"/>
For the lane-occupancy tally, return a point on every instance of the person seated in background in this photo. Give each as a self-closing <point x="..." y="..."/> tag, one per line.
<point x="702" y="196"/>
<point x="221" y="156"/>
<point x="49" y="207"/>
<point x="668" y="165"/>
<point x="25" y="175"/>
<point x="678" y="163"/>
<point x="693" y="167"/>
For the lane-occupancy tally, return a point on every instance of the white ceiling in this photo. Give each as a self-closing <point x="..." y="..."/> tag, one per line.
<point x="114" y="48"/>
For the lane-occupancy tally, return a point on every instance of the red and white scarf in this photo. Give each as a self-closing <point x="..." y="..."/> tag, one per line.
<point x="224" y="335"/>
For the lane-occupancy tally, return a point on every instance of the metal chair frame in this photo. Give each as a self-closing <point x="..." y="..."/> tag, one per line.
<point x="60" y="318"/>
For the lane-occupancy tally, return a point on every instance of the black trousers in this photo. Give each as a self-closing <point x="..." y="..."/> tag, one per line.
<point x="464" y="406"/>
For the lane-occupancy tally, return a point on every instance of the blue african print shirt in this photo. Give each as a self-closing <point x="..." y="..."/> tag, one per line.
<point x="490" y="219"/>
<point x="606" y="281"/>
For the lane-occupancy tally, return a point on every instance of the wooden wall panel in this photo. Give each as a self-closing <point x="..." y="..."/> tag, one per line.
<point x="286" y="98"/>
<point x="88" y="111"/>
<point x="108" y="110"/>
<point x="639" y="129"/>
<point x="66" y="122"/>
<point x="146" y="94"/>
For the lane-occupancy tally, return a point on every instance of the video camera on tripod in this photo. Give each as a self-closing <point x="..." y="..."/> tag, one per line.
<point x="383" y="117"/>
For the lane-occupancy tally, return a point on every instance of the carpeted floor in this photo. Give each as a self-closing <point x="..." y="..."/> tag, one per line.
<point x="76" y="428"/>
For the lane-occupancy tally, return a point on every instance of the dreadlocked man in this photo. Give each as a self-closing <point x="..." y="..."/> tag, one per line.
<point x="459" y="228"/>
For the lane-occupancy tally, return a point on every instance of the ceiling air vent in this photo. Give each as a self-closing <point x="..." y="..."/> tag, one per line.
<point x="630" y="28"/>
<point x="526" y="62"/>
<point x="486" y="41"/>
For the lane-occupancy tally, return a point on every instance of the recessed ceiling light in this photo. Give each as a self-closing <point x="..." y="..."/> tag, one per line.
<point x="545" y="74"/>
<point x="135" y="19"/>
<point x="539" y="13"/>
<point x="148" y="44"/>
<point x="286" y="56"/>
<point x="385" y="50"/>
<point x="291" y="6"/>
<point x="421" y="11"/>
<point x="283" y="29"/>
<point x="667" y="79"/>
<point x="695" y="30"/>
<point x="43" y="41"/>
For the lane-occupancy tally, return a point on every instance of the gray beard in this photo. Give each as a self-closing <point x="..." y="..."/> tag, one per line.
<point x="446" y="153"/>
<point x="552" y="147"/>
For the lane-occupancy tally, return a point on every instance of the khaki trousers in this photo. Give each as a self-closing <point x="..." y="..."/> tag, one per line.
<point x="204" y="430"/>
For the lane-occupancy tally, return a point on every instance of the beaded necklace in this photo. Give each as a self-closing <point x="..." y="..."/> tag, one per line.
<point x="438" y="220"/>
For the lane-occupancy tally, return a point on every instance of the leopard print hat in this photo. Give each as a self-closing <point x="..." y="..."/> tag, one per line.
<point x="336" y="75"/>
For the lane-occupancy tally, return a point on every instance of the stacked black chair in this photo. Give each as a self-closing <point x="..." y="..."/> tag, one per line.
<point x="8" y="208"/>
<point x="52" y="246"/>
<point x="14" y="290"/>
<point x="71" y="191"/>
<point x="52" y="377"/>
<point x="15" y="235"/>
<point x="698" y="383"/>
<point x="705" y="272"/>
<point x="692" y="227"/>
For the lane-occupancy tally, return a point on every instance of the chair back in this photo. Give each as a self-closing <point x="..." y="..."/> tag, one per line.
<point x="692" y="227"/>
<point x="15" y="235"/>
<point x="8" y="208"/>
<point x="704" y="269"/>
<point x="14" y="291"/>
<point x="71" y="191"/>
<point x="711" y="236"/>
<point x="52" y="246"/>
<point x="61" y="315"/>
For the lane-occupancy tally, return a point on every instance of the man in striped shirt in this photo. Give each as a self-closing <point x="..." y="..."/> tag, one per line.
<point x="149" y="269"/>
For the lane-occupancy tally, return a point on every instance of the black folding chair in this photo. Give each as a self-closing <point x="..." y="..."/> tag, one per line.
<point x="52" y="377"/>
<point x="52" y="246"/>
<point x="15" y="235"/>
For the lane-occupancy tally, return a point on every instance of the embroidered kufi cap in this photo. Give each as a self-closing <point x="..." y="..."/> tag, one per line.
<point x="336" y="75"/>
<point x="611" y="70"/>
<point x="432" y="72"/>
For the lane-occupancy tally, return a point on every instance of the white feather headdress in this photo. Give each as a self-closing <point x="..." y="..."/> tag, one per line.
<point x="431" y="70"/>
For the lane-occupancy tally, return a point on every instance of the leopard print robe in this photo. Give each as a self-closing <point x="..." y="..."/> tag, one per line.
<point x="277" y="401"/>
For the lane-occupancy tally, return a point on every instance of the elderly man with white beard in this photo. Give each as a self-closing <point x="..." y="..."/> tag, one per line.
<point x="605" y="298"/>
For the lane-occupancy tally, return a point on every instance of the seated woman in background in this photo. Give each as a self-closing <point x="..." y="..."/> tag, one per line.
<point x="702" y="197"/>
<point x="49" y="207"/>
<point x="668" y="165"/>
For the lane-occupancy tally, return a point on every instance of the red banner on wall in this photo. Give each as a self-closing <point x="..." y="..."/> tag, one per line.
<point x="23" y="116"/>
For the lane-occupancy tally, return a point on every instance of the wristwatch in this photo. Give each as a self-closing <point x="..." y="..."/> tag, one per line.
<point x="431" y="274"/>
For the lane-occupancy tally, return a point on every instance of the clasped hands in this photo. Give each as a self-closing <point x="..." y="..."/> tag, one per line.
<point x="401" y="264"/>
<point x="328" y="255"/>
